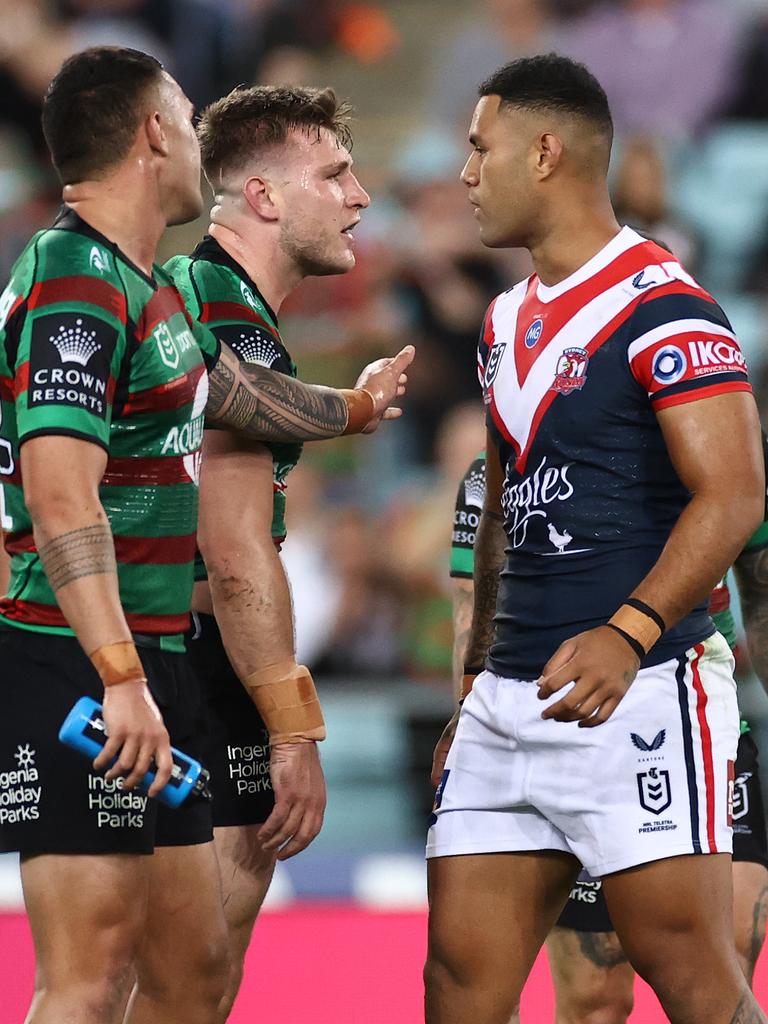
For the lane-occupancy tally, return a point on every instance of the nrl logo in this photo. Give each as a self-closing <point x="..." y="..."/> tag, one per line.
<point x="654" y="790"/>
<point x="74" y="344"/>
<point x="655" y="744"/>
<point x="494" y="361"/>
<point x="99" y="260"/>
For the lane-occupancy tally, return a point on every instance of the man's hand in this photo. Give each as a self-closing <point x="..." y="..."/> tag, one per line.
<point x="299" y="785"/>
<point x="601" y="664"/>
<point x="440" y="755"/>
<point x="385" y="380"/>
<point x="136" y="733"/>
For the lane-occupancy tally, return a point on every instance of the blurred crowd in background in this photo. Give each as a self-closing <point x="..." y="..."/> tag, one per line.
<point x="370" y="518"/>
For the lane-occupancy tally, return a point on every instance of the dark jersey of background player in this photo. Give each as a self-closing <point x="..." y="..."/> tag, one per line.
<point x="93" y="348"/>
<point x="584" y="526"/>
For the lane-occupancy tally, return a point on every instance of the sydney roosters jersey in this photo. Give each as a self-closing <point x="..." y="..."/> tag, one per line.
<point x="573" y="376"/>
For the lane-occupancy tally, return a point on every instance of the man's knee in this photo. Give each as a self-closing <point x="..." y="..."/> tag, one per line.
<point x="199" y="974"/>
<point x="596" y="1007"/>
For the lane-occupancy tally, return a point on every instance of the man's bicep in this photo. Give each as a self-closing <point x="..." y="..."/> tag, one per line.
<point x="236" y="488"/>
<point x="60" y="471"/>
<point x="716" y="443"/>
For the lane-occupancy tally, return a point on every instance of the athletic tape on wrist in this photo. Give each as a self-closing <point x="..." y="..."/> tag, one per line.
<point x="285" y="697"/>
<point x="361" y="407"/>
<point x="467" y="682"/>
<point x="118" y="663"/>
<point x="641" y="627"/>
<point x="639" y="651"/>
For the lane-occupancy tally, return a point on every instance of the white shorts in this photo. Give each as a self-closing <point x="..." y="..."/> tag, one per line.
<point x="653" y="781"/>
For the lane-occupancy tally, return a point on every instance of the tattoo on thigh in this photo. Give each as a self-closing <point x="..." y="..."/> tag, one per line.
<point x="748" y="1012"/>
<point x="602" y="948"/>
<point x="759" y="915"/>
<point x="89" y="551"/>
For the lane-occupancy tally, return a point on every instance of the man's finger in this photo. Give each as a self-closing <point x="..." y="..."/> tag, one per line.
<point x="561" y="657"/>
<point x="403" y="359"/>
<point x="288" y="830"/>
<point x="164" y="763"/>
<point x="392" y="413"/>
<point x="274" y="822"/>
<point x="125" y="759"/>
<point x="109" y="751"/>
<point x="607" y="708"/>
<point x="141" y="765"/>
<point x="557" y="680"/>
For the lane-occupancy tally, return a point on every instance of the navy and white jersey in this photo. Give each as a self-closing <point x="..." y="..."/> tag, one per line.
<point x="573" y="376"/>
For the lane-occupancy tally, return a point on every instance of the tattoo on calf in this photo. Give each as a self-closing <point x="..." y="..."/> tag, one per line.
<point x="602" y="948"/>
<point x="89" y="551"/>
<point x="269" y="406"/>
<point x="748" y="1012"/>
<point x="759" y="915"/>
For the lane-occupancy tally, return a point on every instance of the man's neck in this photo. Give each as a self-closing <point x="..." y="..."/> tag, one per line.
<point x="273" y="273"/>
<point x="125" y="211"/>
<point x="573" y="240"/>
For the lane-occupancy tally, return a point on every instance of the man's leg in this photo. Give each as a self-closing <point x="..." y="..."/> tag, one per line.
<point x="246" y="871"/>
<point x="593" y="979"/>
<point x="594" y="983"/>
<point x="181" y="966"/>
<point x="489" y="915"/>
<point x="750" y="909"/>
<point x="674" y="918"/>
<point x="86" y="913"/>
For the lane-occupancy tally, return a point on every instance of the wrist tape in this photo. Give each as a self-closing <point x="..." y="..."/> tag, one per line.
<point x="118" y="663"/>
<point x="639" y="622"/>
<point x="285" y="697"/>
<point x="360" y="409"/>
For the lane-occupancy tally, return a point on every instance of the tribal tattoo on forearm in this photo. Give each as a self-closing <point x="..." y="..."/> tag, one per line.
<point x="89" y="551"/>
<point x="490" y="544"/>
<point x="265" y="405"/>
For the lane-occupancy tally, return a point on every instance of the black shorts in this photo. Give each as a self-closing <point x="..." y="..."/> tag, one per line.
<point x="586" y="909"/>
<point x="236" y="740"/>
<point x="51" y="801"/>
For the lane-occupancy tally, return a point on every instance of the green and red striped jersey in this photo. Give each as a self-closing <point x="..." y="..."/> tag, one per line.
<point x="93" y="348"/>
<point x="221" y="295"/>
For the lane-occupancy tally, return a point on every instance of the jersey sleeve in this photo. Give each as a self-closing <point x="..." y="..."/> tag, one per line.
<point x="70" y="343"/>
<point x="682" y="348"/>
<point x="466" y="517"/>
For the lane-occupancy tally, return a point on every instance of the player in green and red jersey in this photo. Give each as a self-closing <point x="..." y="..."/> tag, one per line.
<point x="285" y="203"/>
<point x="103" y="387"/>
<point x="593" y="978"/>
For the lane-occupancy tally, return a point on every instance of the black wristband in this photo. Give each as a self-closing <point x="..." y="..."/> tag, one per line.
<point x="636" y="646"/>
<point x="646" y="609"/>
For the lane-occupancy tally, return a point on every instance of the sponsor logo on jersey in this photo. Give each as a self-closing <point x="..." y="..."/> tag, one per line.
<point x="99" y="260"/>
<point x="669" y="365"/>
<point x="170" y="347"/>
<point x="494" y="361"/>
<point x="711" y="356"/>
<point x="186" y="439"/>
<point x="69" y="362"/>
<point x="654" y="790"/>
<point x="640" y="284"/>
<point x="474" y="488"/>
<point x="656" y="743"/>
<point x="249" y="297"/>
<point x="571" y="371"/>
<point x="255" y="346"/>
<point x="526" y="500"/>
<point x="533" y="333"/>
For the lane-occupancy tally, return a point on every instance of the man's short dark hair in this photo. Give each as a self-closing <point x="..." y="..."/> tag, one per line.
<point x="93" y="107"/>
<point x="249" y="121"/>
<point x="552" y="82"/>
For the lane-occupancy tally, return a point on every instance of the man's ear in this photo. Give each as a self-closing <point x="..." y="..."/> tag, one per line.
<point x="259" y="195"/>
<point x="550" y="153"/>
<point x="156" y="137"/>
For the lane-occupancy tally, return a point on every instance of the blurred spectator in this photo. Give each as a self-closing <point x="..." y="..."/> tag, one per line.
<point x="750" y="96"/>
<point x="493" y="33"/>
<point x="640" y="199"/>
<point x="666" y="65"/>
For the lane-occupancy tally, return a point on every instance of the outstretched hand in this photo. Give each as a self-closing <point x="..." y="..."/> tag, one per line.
<point x="386" y="380"/>
<point x="601" y="664"/>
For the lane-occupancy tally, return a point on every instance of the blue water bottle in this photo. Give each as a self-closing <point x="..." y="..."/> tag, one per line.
<point x="84" y="730"/>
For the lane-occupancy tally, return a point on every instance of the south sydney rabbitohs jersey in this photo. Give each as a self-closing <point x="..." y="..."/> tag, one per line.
<point x="93" y="348"/>
<point x="573" y="376"/>
<point x="219" y="293"/>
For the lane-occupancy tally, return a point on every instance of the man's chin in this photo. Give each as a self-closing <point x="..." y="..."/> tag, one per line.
<point x="186" y="212"/>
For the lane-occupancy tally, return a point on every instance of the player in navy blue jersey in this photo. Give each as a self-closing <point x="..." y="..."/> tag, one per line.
<point x="599" y="723"/>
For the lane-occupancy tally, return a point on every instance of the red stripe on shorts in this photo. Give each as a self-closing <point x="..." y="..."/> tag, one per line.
<point x="706" y="747"/>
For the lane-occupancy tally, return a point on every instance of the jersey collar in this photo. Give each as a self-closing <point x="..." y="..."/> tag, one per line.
<point x="620" y="243"/>
<point x="209" y="249"/>
<point x="68" y="219"/>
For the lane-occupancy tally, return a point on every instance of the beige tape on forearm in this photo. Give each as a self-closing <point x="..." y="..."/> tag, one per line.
<point x="118" y="663"/>
<point x="285" y="697"/>
<point x="639" y="626"/>
<point x="360" y="409"/>
<point x="467" y="682"/>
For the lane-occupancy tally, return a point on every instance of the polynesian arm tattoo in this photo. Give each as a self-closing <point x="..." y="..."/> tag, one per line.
<point x="748" y="1011"/>
<point x="490" y="543"/>
<point x="89" y="551"/>
<point x="265" y="405"/>
<point x="463" y="591"/>
<point x="751" y="570"/>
